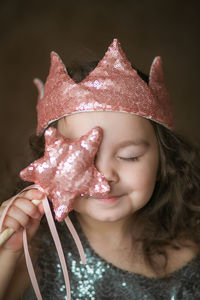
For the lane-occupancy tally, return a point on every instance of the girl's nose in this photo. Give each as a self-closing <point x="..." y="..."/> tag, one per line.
<point x="107" y="169"/>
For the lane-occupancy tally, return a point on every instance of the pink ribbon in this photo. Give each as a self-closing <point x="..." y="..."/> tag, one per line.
<point x="56" y="239"/>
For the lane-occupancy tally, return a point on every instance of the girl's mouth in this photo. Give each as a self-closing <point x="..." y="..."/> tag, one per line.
<point x="107" y="199"/>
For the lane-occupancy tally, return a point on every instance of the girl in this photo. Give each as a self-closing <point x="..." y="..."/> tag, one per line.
<point x="142" y="240"/>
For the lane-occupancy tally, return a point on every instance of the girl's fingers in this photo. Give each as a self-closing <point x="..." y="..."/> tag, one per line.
<point x="20" y="216"/>
<point x="23" y="202"/>
<point x="27" y="207"/>
<point x="32" y="194"/>
<point x="23" y="213"/>
<point x="11" y="223"/>
<point x="23" y="205"/>
<point x="22" y="209"/>
<point x="15" y="242"/>
<point x="35" y="194"/>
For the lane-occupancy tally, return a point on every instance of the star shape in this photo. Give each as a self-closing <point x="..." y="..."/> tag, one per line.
<point x="67" y="170"/>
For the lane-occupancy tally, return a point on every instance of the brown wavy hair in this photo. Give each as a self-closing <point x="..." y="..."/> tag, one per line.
<point x="172" y="216"/>
<point x="173" y="212"/>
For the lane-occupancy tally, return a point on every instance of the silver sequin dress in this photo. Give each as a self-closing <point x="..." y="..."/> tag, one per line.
<point x="100" y="280"/>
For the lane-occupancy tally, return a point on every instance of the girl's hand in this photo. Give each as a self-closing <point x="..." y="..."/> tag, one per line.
<point x="22" y="214"/>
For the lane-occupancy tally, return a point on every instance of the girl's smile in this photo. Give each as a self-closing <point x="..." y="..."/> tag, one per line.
<point x="107" y="200"/>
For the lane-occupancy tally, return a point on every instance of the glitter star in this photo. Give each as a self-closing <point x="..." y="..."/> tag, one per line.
<point x="67" y="169"/>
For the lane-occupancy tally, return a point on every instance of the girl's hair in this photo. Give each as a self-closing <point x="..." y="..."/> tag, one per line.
<point x="173" y="212"/>
<point x="172" y="216"/>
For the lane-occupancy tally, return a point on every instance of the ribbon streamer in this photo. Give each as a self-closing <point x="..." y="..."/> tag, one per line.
<point x="56" y="239"/>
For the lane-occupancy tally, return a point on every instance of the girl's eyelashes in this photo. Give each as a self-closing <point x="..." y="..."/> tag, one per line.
<point x="129" y="158"/>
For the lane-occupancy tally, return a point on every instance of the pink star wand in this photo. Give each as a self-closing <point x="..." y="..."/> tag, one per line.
<point x="65" y="172"/>
<point x="67" y="169"/>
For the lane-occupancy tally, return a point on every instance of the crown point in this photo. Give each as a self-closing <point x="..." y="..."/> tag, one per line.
<point x="156" y="71"/>
<point x="54" y="57"/>
<point x="113" y="62"/>
<point x="159" y="90"/>
<point x="56" y="62"/>
<point x="40" y="87"/>
<point x="115" y="45"/>
<point x="115" y="42"/>
<point x="53" y="53"/>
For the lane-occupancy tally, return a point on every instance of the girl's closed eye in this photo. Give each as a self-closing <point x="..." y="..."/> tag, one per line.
<point x="130" y="156"/>
<point x="135" y="158"/>
<point x="132" y="153"/>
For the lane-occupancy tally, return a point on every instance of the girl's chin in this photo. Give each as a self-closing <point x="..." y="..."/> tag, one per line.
<point x="103" y="210"/>
<point x="102" y="216"/>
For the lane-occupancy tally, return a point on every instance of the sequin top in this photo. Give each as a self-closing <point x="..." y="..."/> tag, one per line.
<point x="100" y="280"/>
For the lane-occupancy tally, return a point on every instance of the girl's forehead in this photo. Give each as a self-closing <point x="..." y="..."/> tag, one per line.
<point x="114" y="125"/>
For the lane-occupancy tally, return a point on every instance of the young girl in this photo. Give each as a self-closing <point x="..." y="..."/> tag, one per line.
<point x="142" y="240"/>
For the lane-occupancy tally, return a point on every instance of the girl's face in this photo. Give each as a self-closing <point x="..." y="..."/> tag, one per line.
<point x="128" y="157"/>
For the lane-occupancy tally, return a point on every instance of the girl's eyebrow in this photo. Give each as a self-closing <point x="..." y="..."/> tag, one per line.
<point x="139" y="142"/>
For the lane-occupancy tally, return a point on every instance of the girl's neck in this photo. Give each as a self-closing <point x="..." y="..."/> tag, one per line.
<point x="113" y="241"/>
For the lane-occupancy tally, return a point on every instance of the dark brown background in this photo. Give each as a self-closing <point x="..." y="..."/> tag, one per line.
<point x="82" y="30"/>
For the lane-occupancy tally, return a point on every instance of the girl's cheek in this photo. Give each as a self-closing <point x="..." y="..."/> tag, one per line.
<point x="140" y="176"/>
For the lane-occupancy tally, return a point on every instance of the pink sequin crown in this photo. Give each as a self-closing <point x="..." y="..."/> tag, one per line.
<point x="112" y="86"/>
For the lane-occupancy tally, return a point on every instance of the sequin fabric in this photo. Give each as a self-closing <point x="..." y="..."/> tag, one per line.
<point x="67" y="169"/>
<point x="100" y="280"/>
<point x="112" y="86"/>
